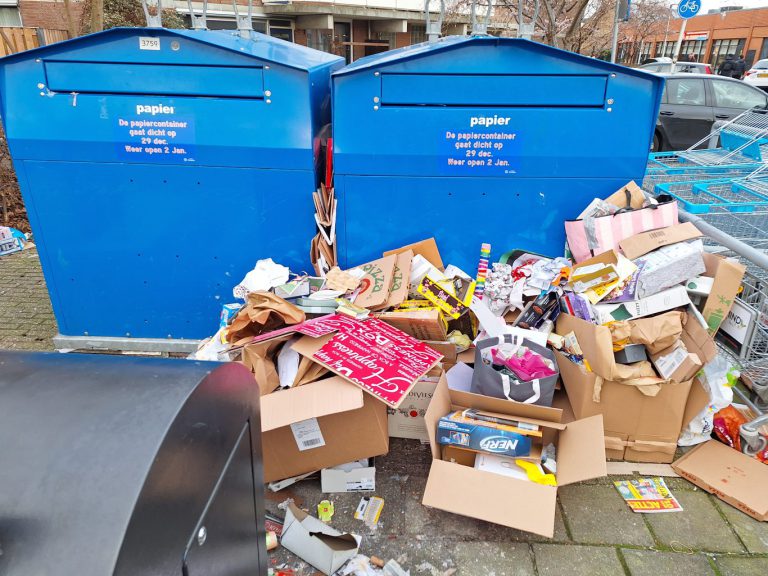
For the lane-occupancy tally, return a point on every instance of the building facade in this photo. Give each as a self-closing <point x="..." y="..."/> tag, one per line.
<point x="349" y="28"/>
<point x="707" y="38"/>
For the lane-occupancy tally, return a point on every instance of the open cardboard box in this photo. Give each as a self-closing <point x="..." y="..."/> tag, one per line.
<point x="460" y="488"/>
<point x="639" y="428"/>
<point x="350" y="424"/>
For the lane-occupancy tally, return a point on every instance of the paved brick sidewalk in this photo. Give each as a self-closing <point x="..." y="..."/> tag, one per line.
<point x="26" y="318"/>
<point x="596" y="534"/>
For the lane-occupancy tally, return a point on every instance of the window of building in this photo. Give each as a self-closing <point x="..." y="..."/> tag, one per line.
<point x="282" y="29"/>
<point x="319" y="39"/>
<point x="387" y="37"/>
<point x="736" y="95"/>
<point x="9" y="16"/>
<point x="721" y="48"/>
<point x="645" y="51"/>
<point x="688" y="91"/>
<point x="230" y="24"/>
<point x="418" y="33"/>
<point x="692" y="50"/>
<point x="665" y="48"/>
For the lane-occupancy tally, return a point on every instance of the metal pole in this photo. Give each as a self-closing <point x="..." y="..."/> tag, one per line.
<point x="615" y="43"/>
<point x="679" y="42"/>
<point x="666" y="33"/>
<point x="742" y="249"/>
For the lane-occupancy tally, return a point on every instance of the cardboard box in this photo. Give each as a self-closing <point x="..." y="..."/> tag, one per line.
<point x="728" y="276"/>
<point x="641" y="244"/>
<point x="596" y="277"/>
<point x="407" y="421"/>
<point x="320" y="425"/>
<point x="676" y="363"/>
<point x="424" y="324"/>
<point x="733" y="477"/>
<point x="301" y="536"/>
<point x="674" y="297"/>
<point x="460" y="488"/>
<point x="638" y="427"/>
<point x="344" y="478"/>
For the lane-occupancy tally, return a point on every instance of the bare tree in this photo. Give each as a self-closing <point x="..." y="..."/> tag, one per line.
<point x="646" y="21"/>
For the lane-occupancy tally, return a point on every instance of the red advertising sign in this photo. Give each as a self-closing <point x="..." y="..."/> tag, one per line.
<point x="315" y="327"/>
<point x="382" y="360"/>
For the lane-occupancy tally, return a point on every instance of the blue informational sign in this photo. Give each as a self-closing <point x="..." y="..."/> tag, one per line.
<point x="688" y="8"/>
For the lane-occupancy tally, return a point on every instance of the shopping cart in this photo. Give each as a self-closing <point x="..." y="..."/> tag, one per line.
<point x="743" y="140"/>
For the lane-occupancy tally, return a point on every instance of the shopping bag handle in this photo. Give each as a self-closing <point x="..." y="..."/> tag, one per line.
<point x="507" y="387"/>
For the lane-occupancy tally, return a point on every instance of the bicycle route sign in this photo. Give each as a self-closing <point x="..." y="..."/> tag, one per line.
<point x="688" y="8"/>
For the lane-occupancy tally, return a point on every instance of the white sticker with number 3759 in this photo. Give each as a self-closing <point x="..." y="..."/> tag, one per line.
<point x="147" y="43"/>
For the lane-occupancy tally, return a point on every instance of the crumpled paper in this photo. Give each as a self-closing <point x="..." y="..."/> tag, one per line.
<point x="263" y="312"/>
<point x="498" y="288"/>
<point x="266" y="275"/>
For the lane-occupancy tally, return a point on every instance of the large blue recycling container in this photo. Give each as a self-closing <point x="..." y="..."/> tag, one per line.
<point x="481" y="139"/>
<point x="158" y="165"/>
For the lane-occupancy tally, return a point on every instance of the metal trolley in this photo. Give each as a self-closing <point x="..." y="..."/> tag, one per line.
<point x="743" y="140"/>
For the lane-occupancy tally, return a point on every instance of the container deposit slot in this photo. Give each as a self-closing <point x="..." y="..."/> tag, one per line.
<point x="155" y="79"/>
<point x="489" y="90"/>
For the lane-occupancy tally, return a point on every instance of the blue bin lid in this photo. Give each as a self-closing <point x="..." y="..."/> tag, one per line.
<point x="257" y="45"/>
<point x="447" y="43"/>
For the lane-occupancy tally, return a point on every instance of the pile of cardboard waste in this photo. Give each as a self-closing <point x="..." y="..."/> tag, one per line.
<point x="522" y="375"/>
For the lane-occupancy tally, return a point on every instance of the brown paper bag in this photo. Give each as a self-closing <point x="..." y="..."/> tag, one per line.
<point x="657" y="332"/>
<point x="260" y="359"/>
<point x="262" y="313"/>
<point x="620" y="332"/>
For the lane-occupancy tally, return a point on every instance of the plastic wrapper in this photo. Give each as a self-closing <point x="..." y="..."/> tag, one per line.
<point x="714" y="378"/>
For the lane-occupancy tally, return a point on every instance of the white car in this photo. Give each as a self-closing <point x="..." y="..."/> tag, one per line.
<point x="758" y="75"/>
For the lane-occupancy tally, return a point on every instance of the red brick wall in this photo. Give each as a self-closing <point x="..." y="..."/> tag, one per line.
<point x="402" y="39"/>
<point x="300" y="36"/>
<point x="49" y="14"/>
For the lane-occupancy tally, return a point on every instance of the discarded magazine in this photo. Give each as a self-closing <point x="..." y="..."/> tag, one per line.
<point x="648" y="495"/>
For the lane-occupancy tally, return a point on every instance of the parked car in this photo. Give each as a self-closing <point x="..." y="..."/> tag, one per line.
<point x="680" y="67"/>
<point x="758" y="75"/>
<point x="654" y="59"/>
<point x="692" y="103"/>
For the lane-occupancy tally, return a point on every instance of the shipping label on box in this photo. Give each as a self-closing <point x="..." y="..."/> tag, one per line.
<point x="407" y="421"/>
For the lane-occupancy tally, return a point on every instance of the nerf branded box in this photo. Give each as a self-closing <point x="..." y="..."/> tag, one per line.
<point x="457" y="429"/>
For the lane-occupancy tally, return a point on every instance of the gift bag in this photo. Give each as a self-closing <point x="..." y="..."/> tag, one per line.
<point x="487" y="381"/>
<point x="592" y="236"/>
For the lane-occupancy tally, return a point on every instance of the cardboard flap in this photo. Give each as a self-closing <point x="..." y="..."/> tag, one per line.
<point x="581" y="451"/>
<point x="426" y="248"/>
<point x="732" y="476"/>
<point x="698" y="399"/>
<point x="314" y="400"/>
<point x="342" y="543"/>
<point x="439" y="406"/>
<point x="595" y="342"/>
<point x="636" y="194"/>
<point x="536" y="421"/>
<point x="491" y="497"/>
<point x="697" y="340"/>
<point x="505" y="407"/>
<point x="645" y="242"/>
